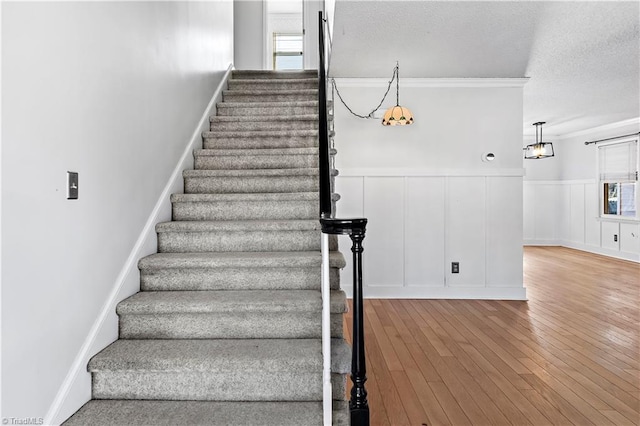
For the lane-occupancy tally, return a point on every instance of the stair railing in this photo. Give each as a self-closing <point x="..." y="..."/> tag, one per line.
<point x="355" y="228"/>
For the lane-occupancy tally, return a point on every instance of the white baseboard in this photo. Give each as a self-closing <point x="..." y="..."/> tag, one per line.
<point x="424" y="292"/>
<point x="633" y="257"/>
<point x="536" y="242"/>
<point x="76" y="387"/>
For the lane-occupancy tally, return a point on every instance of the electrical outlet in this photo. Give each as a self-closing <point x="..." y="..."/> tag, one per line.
<point x="72" y="186"/>
<point x="615" y="238"/>
<point x="455" y="267"/>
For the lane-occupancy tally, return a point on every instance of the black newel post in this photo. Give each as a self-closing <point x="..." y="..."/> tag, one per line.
<point x="358" y="404"/>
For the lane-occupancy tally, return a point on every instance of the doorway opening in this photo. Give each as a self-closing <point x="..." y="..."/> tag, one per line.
<point x="284" y="39"/>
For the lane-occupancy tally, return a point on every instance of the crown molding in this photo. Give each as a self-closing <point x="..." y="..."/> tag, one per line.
<point x="433" y="82"/>
<point x="606" y="127"/>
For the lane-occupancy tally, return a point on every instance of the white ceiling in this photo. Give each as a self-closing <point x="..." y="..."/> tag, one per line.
<point x="581" y="58"/>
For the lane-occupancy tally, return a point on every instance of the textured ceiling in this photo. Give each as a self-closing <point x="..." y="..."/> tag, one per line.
<point x="582" y="58"/>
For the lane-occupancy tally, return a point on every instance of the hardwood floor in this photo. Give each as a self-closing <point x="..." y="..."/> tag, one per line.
<point x="568" y="356"/>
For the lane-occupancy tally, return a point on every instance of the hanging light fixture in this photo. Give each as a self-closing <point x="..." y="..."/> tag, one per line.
<point x="397" y="115"/>
<point x="539" y="149"/>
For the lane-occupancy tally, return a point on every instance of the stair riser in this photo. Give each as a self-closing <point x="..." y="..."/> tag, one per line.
<point x="199" y="242"/>
<point x="247" y="184"/>
<point x="243" y="325"/>
<point x="248" y="125"/>
<point x="232" y="162"/>
<point x="243" y="210"/>
<point x="272" y="85"/>
<point x="236" y="279"/>
<point x="269" y="111"/>
<point x="271" y="97"/>
<point x="214" y="385"/>
<point x="257" y="143"/>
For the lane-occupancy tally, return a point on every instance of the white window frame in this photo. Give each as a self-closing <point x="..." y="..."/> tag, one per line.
<point x="276" y="53"/>
<point x="600" y="184"/>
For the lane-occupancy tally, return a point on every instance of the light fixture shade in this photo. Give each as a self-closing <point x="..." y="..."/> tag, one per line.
<point x="397" y="116"/>
<point x="538" y="150"/>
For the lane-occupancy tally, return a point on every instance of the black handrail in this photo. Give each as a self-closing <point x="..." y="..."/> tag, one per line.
<point x="355" y="228"/>
<point x="323" y="130"/>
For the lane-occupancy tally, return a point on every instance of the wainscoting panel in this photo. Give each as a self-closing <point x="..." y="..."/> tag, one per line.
<point x="630" y="237"/>
<point x="577" y="213"/>
<point x="384" y="244"/>
<point x="591" y="223"/>
<point x="424" y="233"/>
<point x="610" y="235"/>
<point x="466" y="230"/>
<point x="503" y="205"/>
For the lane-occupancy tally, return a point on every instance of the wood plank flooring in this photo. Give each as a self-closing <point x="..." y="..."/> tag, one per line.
<point x="568" y="356"/>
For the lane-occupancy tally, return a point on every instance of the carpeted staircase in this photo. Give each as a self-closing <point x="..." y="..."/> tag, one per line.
<point x="226" y="328"/>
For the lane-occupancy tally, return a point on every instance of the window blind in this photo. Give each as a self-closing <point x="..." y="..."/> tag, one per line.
<point x="619" y="162"/>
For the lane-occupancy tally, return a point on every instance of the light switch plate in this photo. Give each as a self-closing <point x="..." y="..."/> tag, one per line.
<point x="72" y="185"/>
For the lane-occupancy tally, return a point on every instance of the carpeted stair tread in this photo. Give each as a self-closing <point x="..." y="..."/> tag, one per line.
<point x="230" y="301"/>
<point x="203" y="413"/>
<point x="311" y="93"/>
<point x="267" y="104"/>
<point x="237" y="271"/>
<point x="255" y="109"/>
<point x="264" y="122"/>
<point x="253" y="159"/>
<point x="238" y="226"/>
<point x="239" y="260"/>
<point x="274" y="82"/>
<point x="264" y="74"/>
<point x="276" y="196"/>
<point x="261" y="94"/>
<point x="221" y="355"/>
<point x="308" y="171"/>
<point x="248" y="206"/>
<point x="250" y="152"/>
<point x="257" y="139"/>
<point x="264" y="118"/>
<point x="259" y="134"/>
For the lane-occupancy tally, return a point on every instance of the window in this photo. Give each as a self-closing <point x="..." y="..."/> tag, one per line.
<point x="287" y="51"/>
<point x="618" y="178"/>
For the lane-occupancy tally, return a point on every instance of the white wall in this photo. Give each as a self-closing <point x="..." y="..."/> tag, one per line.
<point x="249" y="34"/>
<point x="429" y="197"/>
<point x="112" y="91"/>
<point x="562" y="207"/>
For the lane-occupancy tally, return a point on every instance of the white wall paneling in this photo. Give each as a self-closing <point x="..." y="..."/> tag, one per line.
<point x="466" y="231"/>
<point x="573" y="205"/>
<point x="541" y="207"/>
<point x="418" y="225"/>
<point x="424" y="231"/>
<point x="591" y="223"/>
<point x="384" y="208"/>
<point x="503" y="206"/>
<point x="576" y="213"/>
<point x="610" y="236"/>
<point x="630" y="237"/>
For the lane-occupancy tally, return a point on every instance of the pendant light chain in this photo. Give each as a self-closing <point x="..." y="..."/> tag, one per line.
<point x="370" y="115"/>
<point x="397" y="72"/>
